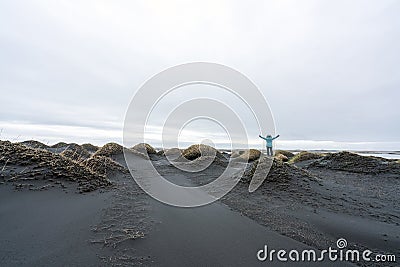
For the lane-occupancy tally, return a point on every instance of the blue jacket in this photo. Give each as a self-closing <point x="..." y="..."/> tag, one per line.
<point x="269" y="140"/>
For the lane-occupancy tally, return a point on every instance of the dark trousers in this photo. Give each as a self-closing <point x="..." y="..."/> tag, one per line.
<point x="269" y="151"/>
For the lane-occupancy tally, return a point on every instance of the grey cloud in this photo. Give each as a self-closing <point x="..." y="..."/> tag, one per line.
<point x="329" y="69"/>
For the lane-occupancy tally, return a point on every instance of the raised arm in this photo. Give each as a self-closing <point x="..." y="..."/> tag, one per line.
<point x="275" y="137"/>
<point x="262" y="137"/>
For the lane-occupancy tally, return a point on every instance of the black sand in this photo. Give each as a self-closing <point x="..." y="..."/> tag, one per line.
<point x="119" y="225"/>
<point x="48" y="228"/>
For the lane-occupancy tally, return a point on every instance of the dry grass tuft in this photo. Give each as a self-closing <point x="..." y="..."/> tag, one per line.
<point x="59" y="145"/>
<point x="144" y="148"/>
<point x="103" y="165"/>
<point x="286" y="153"/>
<point x="90" y="148"/>
<point x="199" y="150"/>
<point x="109" y="149"/>
<point x="73" y="155"/>
<point x="38" y="164"/>
<point x="280" y="172"/>
<point x="75" y="152"/>
<point x="305" y="155"/>
<point x="171" y="153"/>
<point x="251" y="154"/>
<point x="34" y="144"/>
<point x="352" y="162"/>
<point x="281" y="157"/>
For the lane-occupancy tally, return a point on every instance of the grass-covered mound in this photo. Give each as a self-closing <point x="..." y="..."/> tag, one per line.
<point x="75" y="152"/>
<point x="109" y="149"/>
<point x="19" y="162"/>
<point x="103" y="165"/>
<point x="171" y="153"/>
<point x="90" y="148"/>
<point x="251" y="154"/>
<point x="199" y="150"/>
<point x="279" y="172"/>
<point x="77" y="155"/>
<point x="59" y="145"/>
<point x="286" y="153"/>
<point x="305" y="155"/>
<point x="144" y="148"/>
<point x="351" y="162"/>
<point x="34" y="144"/>
<point x="281" y="157"/>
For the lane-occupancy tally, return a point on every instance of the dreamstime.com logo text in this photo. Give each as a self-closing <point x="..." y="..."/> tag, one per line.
<point x="340" y="253"/>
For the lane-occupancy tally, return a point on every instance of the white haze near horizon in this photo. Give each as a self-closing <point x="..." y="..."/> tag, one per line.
<point x="330" y="70"/>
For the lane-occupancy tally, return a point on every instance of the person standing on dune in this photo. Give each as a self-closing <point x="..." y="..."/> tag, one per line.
<point x="269" y="140"/>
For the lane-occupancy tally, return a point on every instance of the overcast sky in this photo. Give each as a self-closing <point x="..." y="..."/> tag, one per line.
<point x="330" y="70"/>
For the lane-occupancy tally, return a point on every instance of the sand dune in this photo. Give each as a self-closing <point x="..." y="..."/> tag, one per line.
<point x="308" y="202"/>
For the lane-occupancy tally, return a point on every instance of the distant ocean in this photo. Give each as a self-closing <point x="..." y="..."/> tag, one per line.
<point x="382" y="154"/>
<point x="387" y="155"/>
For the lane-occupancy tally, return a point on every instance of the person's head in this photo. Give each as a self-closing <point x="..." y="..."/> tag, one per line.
<point x="269" y="135"/>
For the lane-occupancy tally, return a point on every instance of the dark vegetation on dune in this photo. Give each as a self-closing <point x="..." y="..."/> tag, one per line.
<point x="351" y="162"/>
<point x="194" y="156"/>
<point x="196" y="151"/>
<point x="170" y="152"/>
<point x="23" y="165"/>
<point x="199" y="150"/>
<point x="305" y="155"/>
<point x="144" y="148"/>
<point x="287" y="154"/>
<point x="59" y="145"/>
<point x="312" y="170"/>
<point x="34" y="144"/>
<point x="103" y="165"/>
<point x="109" y="149"/>
<point x="280" y="172"/>
<point x="281" y="157"/>
<point x="73" y="155"/>
<point x="250" y="154"/>
<point x="303" y="199"/>
<point x="75" y="152"/>
<point x="32" y="160"/>
<point x="90" y="148"/>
